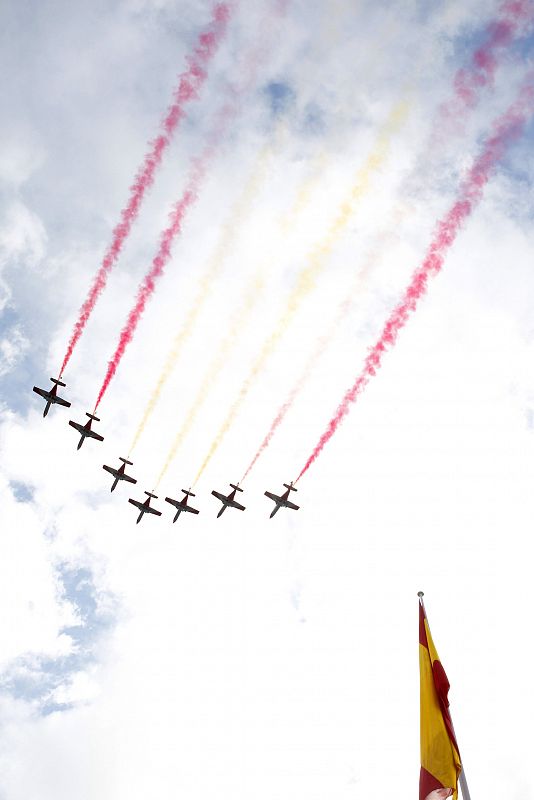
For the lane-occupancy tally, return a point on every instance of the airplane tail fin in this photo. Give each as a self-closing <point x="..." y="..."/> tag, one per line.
<point x="290" y="487"/>
<point x="236" y="487"/>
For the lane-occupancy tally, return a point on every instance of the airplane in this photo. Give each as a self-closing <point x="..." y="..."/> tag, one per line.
<point x="145" y="508"/>
<point x="120" y="474"/>
<point x="181" y="505"/>
<point x="228" y="501"/>
<point x="85" y="430"/>
<point x="51" y="396"/>
<point x="282" y="501"/>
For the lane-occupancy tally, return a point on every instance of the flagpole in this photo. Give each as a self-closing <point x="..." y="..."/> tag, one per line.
<point x="462" y="780"/>
<point x="463" y="785"/>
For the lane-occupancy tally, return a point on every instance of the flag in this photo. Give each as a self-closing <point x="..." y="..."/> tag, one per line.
<point x="440" y="757"/>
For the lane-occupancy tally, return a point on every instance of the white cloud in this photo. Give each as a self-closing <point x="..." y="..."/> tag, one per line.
<point x="12" y="348"/>
<point x="245" y="656"/>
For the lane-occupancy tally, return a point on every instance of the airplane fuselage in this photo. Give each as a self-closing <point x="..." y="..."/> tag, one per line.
<point x="51" y="397"/>
<point x="228" y="501"/>
<point x="181" y="505"/>
<point x="119" y="475"/>
<point x="144" y="508"/>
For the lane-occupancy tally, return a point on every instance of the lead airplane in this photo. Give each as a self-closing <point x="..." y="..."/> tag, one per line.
<point x="120" y="474"/>
<point x="229" y="501"/>
<point x="282" y="501"/>
<point x="85" y="430"/>
<point x="145" y="508"/>
<point x="51" y="396"/>
<point x="181" y="505"/>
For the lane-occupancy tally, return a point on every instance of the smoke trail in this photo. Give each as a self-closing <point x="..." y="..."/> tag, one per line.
<point x="158" y="265"/>
<point x="240" y="319"/>
<point x="229" y="232"/>
<point x="206" y="283"/>
<point x="322" y="343"/>
<point x="468" y="83"/>
<point x="316" y="261"/>
<point x="227" y="112"/>
<point x="507" y="128"/>
<point x="481" y="72"/>
<point x="188" y="88"/>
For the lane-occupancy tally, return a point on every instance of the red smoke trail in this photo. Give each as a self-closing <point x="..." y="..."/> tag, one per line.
<point x="467" y="83"/>
<point x="319" y="348"/>
<point x="189" y="196"/>
<point x="481" y="71"/>
<point x="508" y="127"/>
<point x="188" y="87"/>
<point x="159" y="262"/>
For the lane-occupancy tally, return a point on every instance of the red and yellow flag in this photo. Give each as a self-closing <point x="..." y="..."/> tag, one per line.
<point x="440" y="757"/>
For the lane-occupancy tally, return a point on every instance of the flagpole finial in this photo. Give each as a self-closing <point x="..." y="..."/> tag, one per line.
<point x="420" y="594"/>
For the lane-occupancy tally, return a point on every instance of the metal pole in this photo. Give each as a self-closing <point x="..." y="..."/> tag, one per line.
<point x="463" y="786"/>
<point x="462" y="780"/>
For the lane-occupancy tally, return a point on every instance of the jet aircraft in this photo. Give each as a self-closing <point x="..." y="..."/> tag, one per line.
<point x="120" y="474"/>
<point x="85" y="430"/>
<point x="145" y="508"/>
<point x="282" y="501"/>
<point x="229" y="501"/>
<point x="181" y="505"/>
<point x="51" y="396"/>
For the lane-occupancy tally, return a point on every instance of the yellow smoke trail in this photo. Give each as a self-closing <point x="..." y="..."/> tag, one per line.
<point x="322" y="159"/>
<point x="231" y="229"/>
<point x="238" y="322"/>
<point x="213" y="267"/>
<point x="315" y="263"/>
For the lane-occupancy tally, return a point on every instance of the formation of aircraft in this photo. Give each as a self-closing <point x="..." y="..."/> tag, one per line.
<point x="120" y="473"/>
<point x="145" y="508"/>
<point x="85" y="430"/>
<point x="282" y="501"/>
<point x="51" y="396"/>
<point x="182" y="505"/>
<point x="228" y="500"/>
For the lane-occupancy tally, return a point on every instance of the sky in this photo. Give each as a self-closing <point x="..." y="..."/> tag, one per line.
<point x="248" y="656"/>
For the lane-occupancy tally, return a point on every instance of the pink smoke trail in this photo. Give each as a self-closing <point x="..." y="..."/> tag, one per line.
<point x="227" y="112"/>
<point x="188" y="88"/>
<point x="506" y="128"/>
<point x="468" y="82"/>
<point x="159" y="262"/>
<point x="481" y="71"/>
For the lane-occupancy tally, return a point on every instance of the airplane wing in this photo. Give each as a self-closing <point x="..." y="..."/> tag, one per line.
<point x="150" y="510"/>
<point x="62" y="402"/>
<point x="93" y="435"/>
<point x="137" y="504"/>
<point x="77" y="426"/>
<point x="129" y="478"/>
<point x="111" y="470"/>
<point x="191" y="510"/>
<point x="42" y="392"/>
<point x="222" y="497"/>
<point x="235" y="504"/>
<point x="289" y="504"/>
<point x="272" y="496"/>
